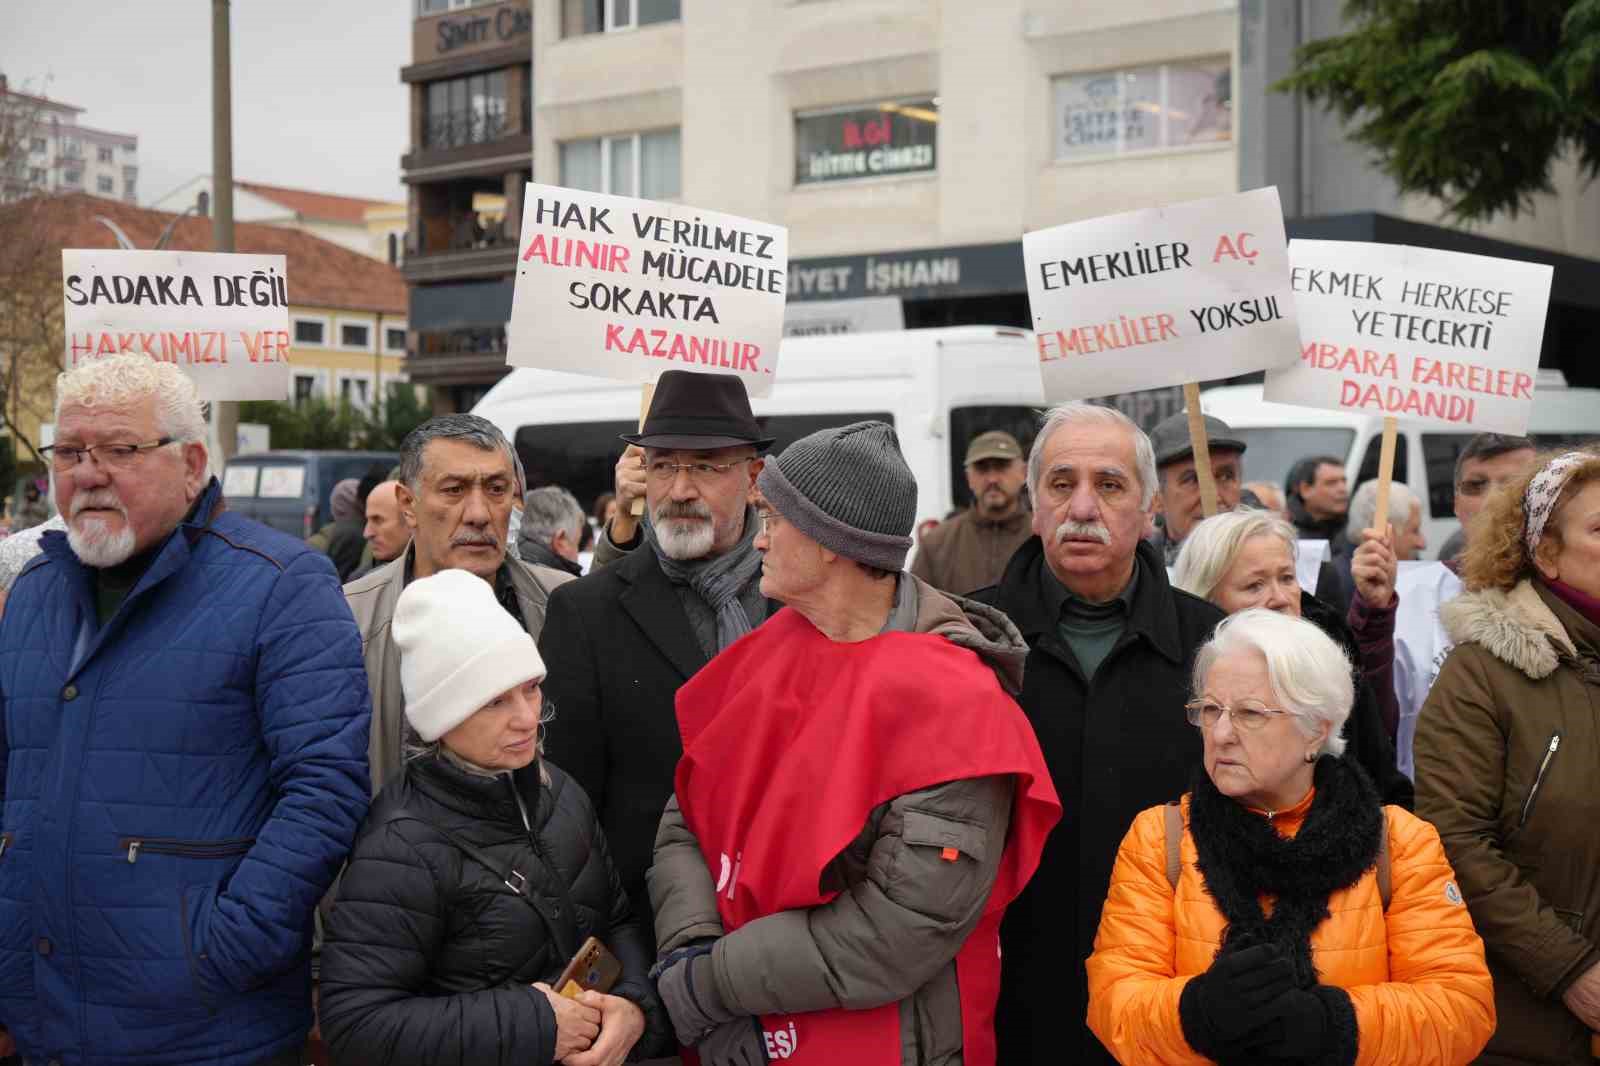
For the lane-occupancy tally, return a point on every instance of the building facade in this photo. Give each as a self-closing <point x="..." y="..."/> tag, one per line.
<point x="471" y="148"/>
<point x="45" y="149"/>
<point x="358" y="224"/>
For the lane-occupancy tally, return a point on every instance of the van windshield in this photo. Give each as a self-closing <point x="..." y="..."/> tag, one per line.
<point x="1270" y="451"/>
<point x="582" y="457"/>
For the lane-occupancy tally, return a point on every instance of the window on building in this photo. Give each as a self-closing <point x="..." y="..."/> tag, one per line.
<point x="579" y="17"/>
<point x="38" y="145"/>
<point x="105" y="185"/>
<point x="469" y="110"/>
<point x="72" y="148"/>
<point x="72" y="177"/>
<point x="394" y="340"/>
<point x="103" y="154"/>
<point x="309" y="331"/>
<point x="129" y="193"/>
<point x="1144" y="109"/>
<point x="354" y="392"/>
<point x="36" y="175"/>
<point x="630" y="164"/>
<point x="305" y="387"/>
<point x="868" y="141"/>
<point x="353" y="335"/>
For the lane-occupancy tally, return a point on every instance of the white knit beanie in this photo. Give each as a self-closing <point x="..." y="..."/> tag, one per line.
<point x="459" y="649"/>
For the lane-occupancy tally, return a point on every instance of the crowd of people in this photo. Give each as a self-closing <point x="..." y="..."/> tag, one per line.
<point x="1098" y="778"/>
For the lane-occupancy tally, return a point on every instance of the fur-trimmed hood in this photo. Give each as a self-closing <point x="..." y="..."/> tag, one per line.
<point x="1516" y="627"/>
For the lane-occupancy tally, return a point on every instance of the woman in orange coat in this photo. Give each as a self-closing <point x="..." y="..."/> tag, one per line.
<point x="1300" y="920"/>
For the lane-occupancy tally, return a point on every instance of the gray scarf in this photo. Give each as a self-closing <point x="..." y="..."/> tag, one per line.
<point x="717" y="579"/>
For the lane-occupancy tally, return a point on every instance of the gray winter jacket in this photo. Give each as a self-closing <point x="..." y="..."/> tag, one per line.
<point x="902" y="913"/>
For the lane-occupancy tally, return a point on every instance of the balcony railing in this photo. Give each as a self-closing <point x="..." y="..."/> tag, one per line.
<point x="456" y="128"/>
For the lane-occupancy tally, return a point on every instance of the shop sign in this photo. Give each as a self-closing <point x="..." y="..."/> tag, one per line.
<point x="868" y="142"/>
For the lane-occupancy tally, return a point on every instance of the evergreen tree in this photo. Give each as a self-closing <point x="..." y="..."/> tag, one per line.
<point x="1468" y="101"/>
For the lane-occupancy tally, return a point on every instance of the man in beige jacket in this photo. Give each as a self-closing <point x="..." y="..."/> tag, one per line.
<point x="457" y="484"/>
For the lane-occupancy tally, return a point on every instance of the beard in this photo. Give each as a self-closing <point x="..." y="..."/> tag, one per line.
<point x="1090" y="530"/>
<point x="685" y="530"/>
<point x="90" y="539"/>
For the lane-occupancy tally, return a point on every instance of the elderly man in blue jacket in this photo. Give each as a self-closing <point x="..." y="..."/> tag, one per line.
<point x="184" y="750"/>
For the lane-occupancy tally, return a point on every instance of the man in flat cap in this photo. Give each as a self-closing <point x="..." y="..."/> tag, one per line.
<point x="970" y="551"/>
<point x="686" y="584"/>
<point x="1178" y="498"/>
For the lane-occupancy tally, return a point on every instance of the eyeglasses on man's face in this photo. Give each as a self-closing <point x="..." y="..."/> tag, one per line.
<point x="1247" y="716"/>
<point x="665" y="470"/>
<point x="111" y="456"/>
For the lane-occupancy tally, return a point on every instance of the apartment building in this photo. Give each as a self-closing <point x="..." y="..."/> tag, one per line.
<point x="48" y="150"/>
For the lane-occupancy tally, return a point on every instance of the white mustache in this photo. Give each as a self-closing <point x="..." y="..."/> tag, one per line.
<point x="1092" y="530"/>
<point x="465" y="539"/>
<point x="98" y="499"/>
<point x="688" y="509"/>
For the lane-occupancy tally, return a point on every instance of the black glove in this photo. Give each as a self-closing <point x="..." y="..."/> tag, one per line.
<point x="1317" y="1026"/>
<point x="1221" y="1009"/>
<point x="688" y="988"/>
<point x="737" y="1043"/>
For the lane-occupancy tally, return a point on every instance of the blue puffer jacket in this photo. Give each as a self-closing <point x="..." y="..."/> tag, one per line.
<point x="177" y="803"/>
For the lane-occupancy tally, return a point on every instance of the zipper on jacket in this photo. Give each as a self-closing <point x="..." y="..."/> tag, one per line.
<point x="1544" y="765"/>
<point x="5" y="842"/>
<point x="185" y="849"/>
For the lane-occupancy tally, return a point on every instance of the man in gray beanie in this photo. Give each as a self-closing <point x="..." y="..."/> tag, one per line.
<point x="851" y="923"/>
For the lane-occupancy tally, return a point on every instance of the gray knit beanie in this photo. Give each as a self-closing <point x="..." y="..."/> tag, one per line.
<point x="849" y="489"/>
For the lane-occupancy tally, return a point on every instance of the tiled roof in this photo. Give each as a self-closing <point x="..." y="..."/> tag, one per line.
<point x="321" y="273"/>
<point x="315" y="206"/>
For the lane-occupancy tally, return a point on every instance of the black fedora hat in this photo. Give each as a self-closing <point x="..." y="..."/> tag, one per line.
<point x="698" y="411"/>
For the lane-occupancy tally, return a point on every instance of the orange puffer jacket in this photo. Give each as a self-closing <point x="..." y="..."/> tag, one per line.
<point x="1415" y="974"/>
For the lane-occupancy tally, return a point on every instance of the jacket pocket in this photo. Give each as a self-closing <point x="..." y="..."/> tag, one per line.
<point x="1538" y="781"/>
<point x="190" y="955"/>
<point x="953" y="837"/>
<point x="133" y="847"/>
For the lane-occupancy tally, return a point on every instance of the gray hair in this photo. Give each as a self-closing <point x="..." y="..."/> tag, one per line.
<point x="549" y="510"/>
<point x="1213" y="545"/>
<point x="1308" y="672"/>
<point x="1364" y="508"/>
<point x="119" y="380"/>
<point x="1487" y="446"/>
<point x="1079" y="413"/>
<point x="479" y="432"/>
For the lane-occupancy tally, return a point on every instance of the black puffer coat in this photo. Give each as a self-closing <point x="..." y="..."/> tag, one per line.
<point x="429" y="957"/>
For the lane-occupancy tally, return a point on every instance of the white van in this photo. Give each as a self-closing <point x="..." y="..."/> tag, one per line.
<point x="1278" y="435"/>
<point x="938" y="387"/>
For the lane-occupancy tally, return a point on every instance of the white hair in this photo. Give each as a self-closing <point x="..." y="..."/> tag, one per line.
<point x="1213" y="545"/>
<point x="1364" y="508"/>
<point x="1079" y="413"/>
<point x="119" y="380"/>
<point x="1309" y="674"/>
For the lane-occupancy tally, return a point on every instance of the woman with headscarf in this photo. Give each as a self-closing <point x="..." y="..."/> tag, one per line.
<point x="479" y="872"/>
<point x="1279" y="913"/>
<point x="1246" y="558"/>
<point x="1507" y="749"/>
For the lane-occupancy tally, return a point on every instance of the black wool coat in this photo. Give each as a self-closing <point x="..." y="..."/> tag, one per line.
<point x="1115" y="744"/>
<point x="618" y="644"/>
<point x="429" y="956"/>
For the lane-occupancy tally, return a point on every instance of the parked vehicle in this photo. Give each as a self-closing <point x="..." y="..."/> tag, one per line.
<point x="1425" y="455"/>
<point x="288" y="490"/>
<point x="938" y="387"/>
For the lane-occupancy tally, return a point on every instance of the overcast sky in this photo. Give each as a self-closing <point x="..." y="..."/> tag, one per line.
<point x="317" y="99"/>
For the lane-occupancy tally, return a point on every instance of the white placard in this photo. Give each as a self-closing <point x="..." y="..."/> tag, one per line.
<point x="1165" y="296"/>
<point x="622" y="288"/>
<point x="1444" y="338"/>
<point x="221" y="318"/>
<point x="1309" y="557"/>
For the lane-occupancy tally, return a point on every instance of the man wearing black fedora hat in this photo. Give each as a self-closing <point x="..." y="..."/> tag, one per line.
<point x="685" y="584"/>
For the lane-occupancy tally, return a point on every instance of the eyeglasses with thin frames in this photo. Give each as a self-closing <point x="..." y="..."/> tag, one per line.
<point x="1247" y="716"/>
<point x="664" y="470"/>
<point x="110" y="456"/>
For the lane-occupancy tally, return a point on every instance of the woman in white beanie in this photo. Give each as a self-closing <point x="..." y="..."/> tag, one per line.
<point x="479" y="872"/>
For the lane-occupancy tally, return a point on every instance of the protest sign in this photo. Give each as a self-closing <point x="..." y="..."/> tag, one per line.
<point x="1164" y="296"/>
<point x="622" y="288"/>
<point x="1443" y="338"/>
<point x="223" y="319"/>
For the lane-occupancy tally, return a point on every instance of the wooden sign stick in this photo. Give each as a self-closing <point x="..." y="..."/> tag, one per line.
<point x="1202" y="449"/>
<point x="646" y="393"/>
<point x="1380" y="520"/>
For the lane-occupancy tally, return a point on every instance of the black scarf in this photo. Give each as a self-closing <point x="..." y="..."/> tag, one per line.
<point x="1242" y="857"/>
